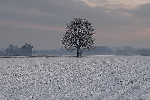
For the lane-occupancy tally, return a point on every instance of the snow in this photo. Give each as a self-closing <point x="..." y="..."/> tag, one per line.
<point x="69" y="78"/>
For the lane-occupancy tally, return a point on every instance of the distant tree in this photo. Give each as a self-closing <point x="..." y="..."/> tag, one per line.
<point x="10" y="51"/>
<point x="13" y="51"/>
<point x="120" y="52"/>
<point x="78" y="36"/>
<point x="26" y="50"/>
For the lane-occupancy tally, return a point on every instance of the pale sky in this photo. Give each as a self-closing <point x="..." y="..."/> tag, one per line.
<point x="41" y="22"/>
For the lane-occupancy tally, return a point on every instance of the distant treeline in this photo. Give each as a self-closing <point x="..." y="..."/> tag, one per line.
<point x="25" y="50"/>
<point x="99" y="50"/>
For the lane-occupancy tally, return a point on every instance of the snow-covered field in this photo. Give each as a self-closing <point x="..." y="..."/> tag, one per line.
<point x="68" y="78"/>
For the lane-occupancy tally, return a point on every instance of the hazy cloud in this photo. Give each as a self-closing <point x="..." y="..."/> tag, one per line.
<point x="114" y="4"/>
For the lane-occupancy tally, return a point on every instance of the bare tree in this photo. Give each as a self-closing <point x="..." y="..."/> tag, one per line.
<point x="78" y="36"/>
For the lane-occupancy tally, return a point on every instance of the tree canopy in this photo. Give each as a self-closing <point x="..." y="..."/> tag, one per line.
<point x="78" y="35"/>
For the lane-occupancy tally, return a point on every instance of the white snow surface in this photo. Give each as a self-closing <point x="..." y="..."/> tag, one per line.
<point x="70" y="78"/>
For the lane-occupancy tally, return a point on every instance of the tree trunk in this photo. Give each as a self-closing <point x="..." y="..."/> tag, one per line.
<point x="78" y="51"/>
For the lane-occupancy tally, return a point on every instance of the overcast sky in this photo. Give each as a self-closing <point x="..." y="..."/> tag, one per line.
<point x="41" y="22"/>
